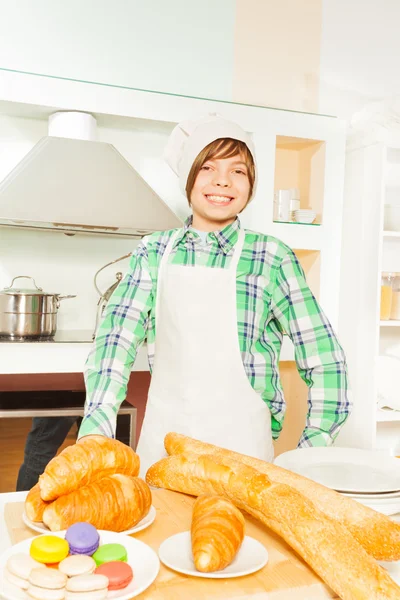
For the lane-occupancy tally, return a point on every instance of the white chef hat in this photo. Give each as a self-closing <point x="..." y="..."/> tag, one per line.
<point x="191" y="137"/>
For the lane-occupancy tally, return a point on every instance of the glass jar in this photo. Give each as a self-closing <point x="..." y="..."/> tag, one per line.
<point x="386" y="295"/>
<point x="395" y="307"/>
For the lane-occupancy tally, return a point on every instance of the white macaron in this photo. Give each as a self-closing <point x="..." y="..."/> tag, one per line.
<point x="77" y="565"/>
<point x="20" y="565"/>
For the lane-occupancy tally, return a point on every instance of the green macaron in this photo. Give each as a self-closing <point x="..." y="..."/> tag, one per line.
<point x="109" y="552"/>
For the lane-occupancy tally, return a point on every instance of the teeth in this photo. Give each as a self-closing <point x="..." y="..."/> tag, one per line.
<point x="220" y="199"/>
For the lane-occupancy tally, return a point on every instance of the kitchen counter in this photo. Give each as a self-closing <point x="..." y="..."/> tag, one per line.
<point x="66" y="353"/>
<point x="285" y="577"/>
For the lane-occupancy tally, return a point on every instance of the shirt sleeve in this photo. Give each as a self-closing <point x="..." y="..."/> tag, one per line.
<point x="120" y="334"/>
<point x="319" y="357"/>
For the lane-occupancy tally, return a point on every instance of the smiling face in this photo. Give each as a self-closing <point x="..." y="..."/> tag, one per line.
<point x="220" y="184"/>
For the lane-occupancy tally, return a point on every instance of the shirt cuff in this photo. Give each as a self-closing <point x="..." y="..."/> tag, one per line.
<point x="102" y="422"/>
<point x="314" y="437"/>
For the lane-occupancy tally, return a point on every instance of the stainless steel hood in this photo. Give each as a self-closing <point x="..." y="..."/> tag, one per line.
<point x="73" y="185"/>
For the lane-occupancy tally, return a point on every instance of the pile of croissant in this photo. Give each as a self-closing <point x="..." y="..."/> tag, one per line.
<point x="93" y="481"/>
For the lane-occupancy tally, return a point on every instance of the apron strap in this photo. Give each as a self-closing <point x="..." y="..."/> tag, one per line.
<point x="168" y="249"/>
<point x="238" y="250"/>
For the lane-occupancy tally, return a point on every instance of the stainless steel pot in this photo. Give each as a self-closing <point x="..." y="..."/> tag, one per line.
<point x="28" y="313"/>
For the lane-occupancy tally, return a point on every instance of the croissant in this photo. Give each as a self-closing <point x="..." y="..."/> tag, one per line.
<point x="115" y="503"/>
<point x="217" y="532"/>
<point x="84" y="462"/>
<point x="34" y="505"/>
<point x="378" y="534"/>
<point x="328" y="547"/>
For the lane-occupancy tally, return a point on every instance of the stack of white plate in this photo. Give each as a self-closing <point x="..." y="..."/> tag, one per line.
<point x="304" y="216"/>
<point x="371" y="477"/>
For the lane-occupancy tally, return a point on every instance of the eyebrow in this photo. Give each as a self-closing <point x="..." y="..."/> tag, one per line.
<point x="236" y="162"/>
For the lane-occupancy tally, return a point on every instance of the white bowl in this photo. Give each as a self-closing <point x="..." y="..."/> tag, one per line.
<point x="306" y="220"/>
<point x="305" y="212"/>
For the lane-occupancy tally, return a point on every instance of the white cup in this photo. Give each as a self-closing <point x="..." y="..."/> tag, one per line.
<point x="282" y="200"/>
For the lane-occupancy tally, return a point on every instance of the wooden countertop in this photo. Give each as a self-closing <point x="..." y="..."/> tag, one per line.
<point x="285" y="577"/>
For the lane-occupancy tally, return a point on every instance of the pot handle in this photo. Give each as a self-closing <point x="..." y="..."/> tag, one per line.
<point x="65" y="297"/>
<point x="24" y="277"/>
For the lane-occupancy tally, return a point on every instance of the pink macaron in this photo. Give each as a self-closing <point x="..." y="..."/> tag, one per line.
<point x="119" y="574"/>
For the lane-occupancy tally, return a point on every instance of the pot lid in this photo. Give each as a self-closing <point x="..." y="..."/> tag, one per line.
<point x="36" y="291"/>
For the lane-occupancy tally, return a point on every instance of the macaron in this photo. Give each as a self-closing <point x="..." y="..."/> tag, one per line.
<point x="23" y="584"/>
<point x="49" y="579"/>
<point x="119" y="574"/>
<point x="87" y="587"/>
<point x="18" y="568"/>
<point x="49" y="549"/>
<point x="93" y="595"/>
<point x="110" y="552"/>
<point x="77" y="565"/>
<point x="39" y="593"/>
<point x="83" y="538"/>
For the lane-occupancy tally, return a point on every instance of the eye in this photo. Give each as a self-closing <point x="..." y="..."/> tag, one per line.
<point x="205" y="168"/>
<point x="240" y="171"/>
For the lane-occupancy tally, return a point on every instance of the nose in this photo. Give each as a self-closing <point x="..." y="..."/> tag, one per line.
<point x="221" y="180"/>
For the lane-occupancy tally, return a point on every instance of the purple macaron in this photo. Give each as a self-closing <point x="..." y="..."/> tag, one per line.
<point x="82" y="538"/>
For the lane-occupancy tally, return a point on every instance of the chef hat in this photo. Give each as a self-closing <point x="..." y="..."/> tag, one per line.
<point x="191" y="137"/>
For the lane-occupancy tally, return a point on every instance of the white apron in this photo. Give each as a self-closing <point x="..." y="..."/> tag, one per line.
<point x="199" y="386"/>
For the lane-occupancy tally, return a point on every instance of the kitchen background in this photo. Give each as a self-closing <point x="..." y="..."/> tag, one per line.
<point x="323" y="56"/>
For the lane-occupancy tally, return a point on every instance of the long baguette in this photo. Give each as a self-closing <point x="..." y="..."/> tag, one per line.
<point x="324" y="544"/>
<point x="375" y="532"/>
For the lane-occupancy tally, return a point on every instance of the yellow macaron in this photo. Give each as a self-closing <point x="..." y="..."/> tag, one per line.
<point x="49" y="549"/>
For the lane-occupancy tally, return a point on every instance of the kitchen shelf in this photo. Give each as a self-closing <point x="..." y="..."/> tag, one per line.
<point x="391" y="234"/>
<point x="389" y="323"/>
<point x="385" y="416"/>
<point x="298" y="235"/>
<point x="300" y="163"/>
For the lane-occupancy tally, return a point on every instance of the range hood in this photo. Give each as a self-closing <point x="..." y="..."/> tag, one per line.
<point x="72" y="183"/>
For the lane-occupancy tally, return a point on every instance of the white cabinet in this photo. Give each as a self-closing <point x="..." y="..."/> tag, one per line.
<point x="293" y="150"/>
<point x="372" y="182"/>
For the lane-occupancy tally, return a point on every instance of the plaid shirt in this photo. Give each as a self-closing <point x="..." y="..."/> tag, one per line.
<point x="272" y="298"/>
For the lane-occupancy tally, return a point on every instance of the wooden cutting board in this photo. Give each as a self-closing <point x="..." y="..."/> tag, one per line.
<point x="285" y="577"/>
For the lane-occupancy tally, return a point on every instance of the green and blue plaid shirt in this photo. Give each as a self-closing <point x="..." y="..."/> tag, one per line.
<point x="272" y="298"/>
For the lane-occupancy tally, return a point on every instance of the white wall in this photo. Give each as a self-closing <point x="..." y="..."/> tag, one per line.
<point x="360" y="49"/>
<point x="179" y="46"/>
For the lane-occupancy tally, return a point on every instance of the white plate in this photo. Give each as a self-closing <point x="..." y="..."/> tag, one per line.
<point x="345" y="469"/>
<point x="143" y="560"/>
<point x="383" y="496"/>
<point x="145" y="522"/>
<point x="386" y="508"/>
<point x="176" y="553"/>
<point x="393" y="568"/>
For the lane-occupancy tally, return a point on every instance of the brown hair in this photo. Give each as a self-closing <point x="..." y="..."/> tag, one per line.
<point x="222" y="148"/>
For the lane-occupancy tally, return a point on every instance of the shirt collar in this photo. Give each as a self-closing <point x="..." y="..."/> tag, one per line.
<point x="226" y="237"/>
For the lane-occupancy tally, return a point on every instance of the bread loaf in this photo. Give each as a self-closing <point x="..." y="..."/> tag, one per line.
<point x="115" y="503"/>
<point x="34" y="505"/>
<point x="217" y="532"/>
<point x="327" y="546"/>
<point x="375" y="532"/>
<point x="84" y="462"/>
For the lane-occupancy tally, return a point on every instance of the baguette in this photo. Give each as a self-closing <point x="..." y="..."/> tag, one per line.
<point x="378" y="535"/>
<point x="84" y="462"/>
<point x="113" y="503"/>
<point x="217" y="532"/>
<point x="328" y="547"/>
<point x="34" y="505"/>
